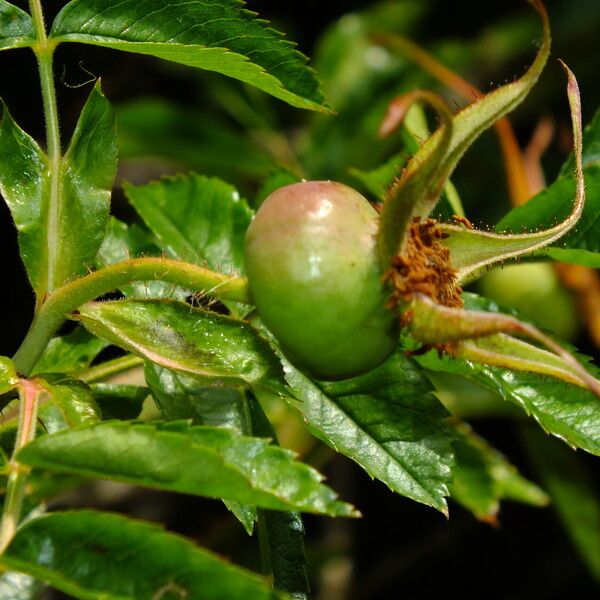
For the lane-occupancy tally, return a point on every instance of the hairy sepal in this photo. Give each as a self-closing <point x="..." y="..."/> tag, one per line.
<point x="474" y="251"/>
<point x="423" y="192"/>
<point x="405" y="194"/>
<point x="471" y="334"/>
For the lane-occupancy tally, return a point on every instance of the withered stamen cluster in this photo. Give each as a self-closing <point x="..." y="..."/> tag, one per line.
<point x="424" y="268"/>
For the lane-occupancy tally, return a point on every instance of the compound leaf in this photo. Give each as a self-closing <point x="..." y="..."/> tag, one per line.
<point x="57" y="245"/>
<point x="218" y="36"/>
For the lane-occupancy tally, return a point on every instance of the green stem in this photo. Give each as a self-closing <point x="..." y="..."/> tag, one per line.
<point x="44" y="52"/>
<point x="109" y="368"/>
<point x="15" y="489"/>
<point x="72" y="295"/>
<point x="28" y="392"/>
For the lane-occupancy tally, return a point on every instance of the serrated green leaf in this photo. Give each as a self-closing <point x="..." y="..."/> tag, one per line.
<point x="181" y="397"/>
<point x="24" y="184"/>
<point x="88" y="171"/>
<point x="483" y="477"/>
<point x="65" y="403"/>
<point x="18" y="586"/>
<point x="118" y="400"/>
<point x="8" y="375"/>
<point x="188" y="340"/>
<point x="222" y="37"/>
<point x="205" y="461"/>
<point x="567" y="411"/>
<point x="70" y="352"/>
<point x="16" y="27"/>
<point x="388" y="421"/>
<point x="189" y="139"/>
<point x="572" y="490"/>
<point x="158" y="564"/>
<point x="197" y="219"/>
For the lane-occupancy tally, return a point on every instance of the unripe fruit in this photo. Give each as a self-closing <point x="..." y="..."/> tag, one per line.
<point x="313" y="274"/>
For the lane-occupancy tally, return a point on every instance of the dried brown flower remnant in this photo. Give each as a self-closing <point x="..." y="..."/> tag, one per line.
<point x="423" y="268"/>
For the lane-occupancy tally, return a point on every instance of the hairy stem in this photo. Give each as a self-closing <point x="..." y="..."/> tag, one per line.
<point x="17" y="478"/>
<point x="72" y="295"/>
<point x="44" y="52"/>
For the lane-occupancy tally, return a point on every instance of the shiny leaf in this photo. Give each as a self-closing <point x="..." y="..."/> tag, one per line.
<point x="158" y="564"/>
<point x="24" y="184"/>
<point x="58" y="245"/>
<point x="222" y="37"/>
<point x="185" y="339"/>
<point x="205" y="461"/>
<point x="16" y="28"/>
<point x="70" y="352"/>
<point x="63" y="403"/>
<point x="387" y="421"/>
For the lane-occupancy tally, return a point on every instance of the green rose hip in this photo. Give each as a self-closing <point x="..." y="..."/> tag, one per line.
<point x="315" y="280"/>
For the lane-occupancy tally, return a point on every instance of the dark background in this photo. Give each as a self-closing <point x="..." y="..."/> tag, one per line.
<point x="399" y="549"/>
